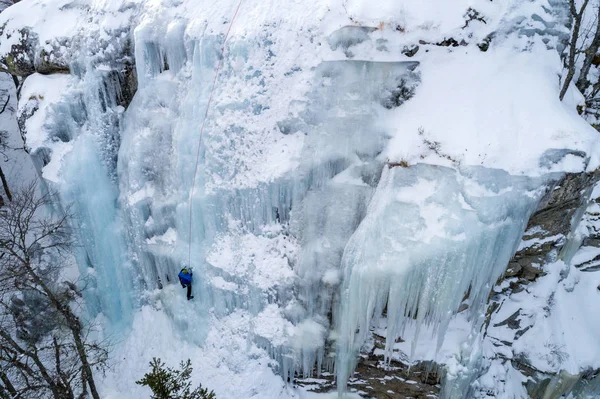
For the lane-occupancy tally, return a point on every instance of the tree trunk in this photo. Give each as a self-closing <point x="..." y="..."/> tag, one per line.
<point x="5" y="185"/>
<point x="73" y="324"/>
<point x="17" y="85"/>
<point x="5" y="105"/>
<point x="577" y="16"/>
<point x="8" y="385"/>
<point x="583" y="83"/>
<point x="64" y="378"/>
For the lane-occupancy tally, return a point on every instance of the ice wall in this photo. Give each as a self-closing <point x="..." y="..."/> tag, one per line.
<point x="72" y="126"/>
<point x="280" y="189"/>
<point x="90" y="118"/>
<point x="432" y="237"/>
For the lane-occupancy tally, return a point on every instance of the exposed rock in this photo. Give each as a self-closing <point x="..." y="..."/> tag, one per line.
<point x="512" y="321"/>
<point x="516" y="286"/>
<point x="514" y="268"/>
<point x="111" y="50"/>
<point x="395" y="380"/>
<point x="591" y="264"/>
<point x="570" y="188"/>
<point x="547" y="229"/>
<point x="129" y="84"/>
<point x="463" y="307"/>
<point x="530" y="271"/>
<point x="19" y="60"/>
<point x="559" y="213"/>
<point x="473" y="15"/>
<point x="519" y="333"/>
<point x="542" y="385"/>
<point x="374" y="378"/>
<point x="124" y="76"/>
<point x="49" y="63"/>
<point x="549" y="226"/>
<point x="31" y="108"/>
<point x="27" y="56"/>
<point x="485" y="43"/>
<point x="447" y="42"/>
<point x="410" y="51"/>
<point x="591" y="242"/>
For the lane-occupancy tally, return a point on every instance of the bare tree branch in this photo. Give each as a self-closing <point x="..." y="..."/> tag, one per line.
<point x="43" y="339"/>
<point x="583" y="82"/>
<point x="576" y="17"/>
<point x="5" y="185"/>
<point x="5" y="104"/>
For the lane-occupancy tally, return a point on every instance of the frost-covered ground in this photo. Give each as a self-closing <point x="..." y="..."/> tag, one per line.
<point x="307" y="219"/>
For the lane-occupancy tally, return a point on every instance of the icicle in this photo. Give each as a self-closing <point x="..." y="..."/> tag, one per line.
<point x="431" y="234"/>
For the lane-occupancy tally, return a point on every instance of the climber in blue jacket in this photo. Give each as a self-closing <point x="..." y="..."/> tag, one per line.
<point x="185" y="278"/>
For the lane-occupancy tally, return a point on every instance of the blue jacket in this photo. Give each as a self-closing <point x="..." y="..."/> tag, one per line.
<point x="185" y="278"/>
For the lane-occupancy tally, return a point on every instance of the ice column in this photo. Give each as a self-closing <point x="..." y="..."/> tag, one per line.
<point x="89" y="118"/>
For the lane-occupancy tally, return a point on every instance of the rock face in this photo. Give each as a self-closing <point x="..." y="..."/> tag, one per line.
<point x="19" y="60"/>
<point x="563" y="227"/>
<point x="80" y="51"/>
<point x="549" y="227"/>
<point x="75" y="52"/>
<point x="376" y="378"/>
<point x="548" y="230"/>
<point x="569" y="206"/>
<point x="27" y="56"/>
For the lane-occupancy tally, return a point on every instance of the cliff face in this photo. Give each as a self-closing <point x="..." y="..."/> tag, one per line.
<point x="538" y="310"/>
<point x="394" y="196"/>
<point x="537" y="320"/>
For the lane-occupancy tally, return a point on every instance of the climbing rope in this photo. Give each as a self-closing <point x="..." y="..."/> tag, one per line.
<point x="219" y="64"/>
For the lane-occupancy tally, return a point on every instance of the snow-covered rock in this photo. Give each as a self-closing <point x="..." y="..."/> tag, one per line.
<point x="541" y="316"/>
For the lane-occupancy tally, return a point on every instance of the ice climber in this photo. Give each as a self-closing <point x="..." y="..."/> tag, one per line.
<point x="185" y="278"/>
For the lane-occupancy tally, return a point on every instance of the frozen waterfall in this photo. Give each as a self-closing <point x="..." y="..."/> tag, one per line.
<point x="410" y="242"/>
<point x="280" y="240"/>
<point x="280" y="247"/>
<point x="74" y="136"/>
<point x="354" y="181"/>
<point x="432" y="237"/>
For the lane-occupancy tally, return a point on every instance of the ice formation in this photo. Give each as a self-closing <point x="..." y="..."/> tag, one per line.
<point x="447" y="236"/>
<point x="340" y="181"/>
<point x="278" y="240"/>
